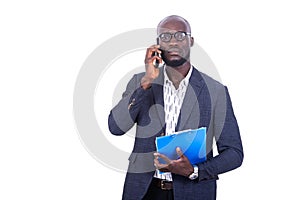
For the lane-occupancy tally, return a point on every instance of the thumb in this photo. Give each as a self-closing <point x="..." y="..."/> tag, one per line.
<point x="179" y="152"/>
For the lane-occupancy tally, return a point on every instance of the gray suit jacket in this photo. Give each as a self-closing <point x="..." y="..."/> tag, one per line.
<point x="206" y="104"/>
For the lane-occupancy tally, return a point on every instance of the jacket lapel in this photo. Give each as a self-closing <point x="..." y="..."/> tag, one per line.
<point x="191" y="99"/>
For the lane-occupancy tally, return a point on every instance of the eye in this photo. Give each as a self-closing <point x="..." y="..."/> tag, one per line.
<point x="180" y="35"/>
<point x="165" y="36"/>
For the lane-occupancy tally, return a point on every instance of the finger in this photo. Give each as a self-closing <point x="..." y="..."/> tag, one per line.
<point x="154" y="59"/>
<point x="159" y="155"/>
<point x="164" y="169"/>
<point x="155" y="46"/>
<point x="179" y="152"/>
<point x="151" y="50"/>
<point x="165" y="158"/>
<point x="159" y="165"/>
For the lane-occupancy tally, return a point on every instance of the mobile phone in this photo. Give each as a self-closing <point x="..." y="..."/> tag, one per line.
<point x="156" y="54"/>
<point x="156" y="63"/>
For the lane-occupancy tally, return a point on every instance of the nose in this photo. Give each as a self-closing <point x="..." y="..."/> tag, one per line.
<point x="173" y="41"/>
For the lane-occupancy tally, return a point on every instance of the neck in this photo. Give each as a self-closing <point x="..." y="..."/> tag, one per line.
<point x="176" y="74"/>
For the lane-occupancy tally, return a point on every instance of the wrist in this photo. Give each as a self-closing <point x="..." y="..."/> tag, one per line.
<point x="194" y="174"/>
<point x="146" y="82"/>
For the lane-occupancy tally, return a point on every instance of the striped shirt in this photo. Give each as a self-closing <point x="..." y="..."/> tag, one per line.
<point x="173" y="99"/>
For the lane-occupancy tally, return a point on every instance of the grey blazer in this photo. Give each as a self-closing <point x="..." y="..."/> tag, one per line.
<point x="207" y="104"/>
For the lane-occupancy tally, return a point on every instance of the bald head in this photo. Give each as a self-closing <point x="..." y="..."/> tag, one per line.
<point x="173" y="22"/>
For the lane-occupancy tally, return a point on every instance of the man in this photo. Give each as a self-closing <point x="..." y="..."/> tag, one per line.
<point x="164" y="100"/>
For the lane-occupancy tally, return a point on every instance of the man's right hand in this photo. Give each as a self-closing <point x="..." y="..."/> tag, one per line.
<point x="152" y="72"/>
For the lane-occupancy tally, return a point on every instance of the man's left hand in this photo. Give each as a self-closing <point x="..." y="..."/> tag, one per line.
<point x="181" y="166"/>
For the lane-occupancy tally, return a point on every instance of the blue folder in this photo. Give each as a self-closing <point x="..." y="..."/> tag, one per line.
<point x="191" y="142"/>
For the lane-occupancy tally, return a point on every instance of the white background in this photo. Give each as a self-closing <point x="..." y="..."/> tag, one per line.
<point x="254" y="44"/>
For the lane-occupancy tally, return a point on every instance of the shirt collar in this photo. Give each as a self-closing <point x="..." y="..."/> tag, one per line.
<point x="184" y="82"/>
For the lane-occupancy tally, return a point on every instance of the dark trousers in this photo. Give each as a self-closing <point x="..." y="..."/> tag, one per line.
<point x="156" y="193"/>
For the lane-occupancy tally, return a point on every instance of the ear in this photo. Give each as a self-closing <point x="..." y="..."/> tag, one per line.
<point x="192" y="41"/>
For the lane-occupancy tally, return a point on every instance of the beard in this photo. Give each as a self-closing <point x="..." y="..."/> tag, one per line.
<point x="173" y="63"/>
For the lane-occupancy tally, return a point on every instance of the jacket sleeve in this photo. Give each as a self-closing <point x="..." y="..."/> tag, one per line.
<point x="124" y="115"/>
<point x="228" y="140"/>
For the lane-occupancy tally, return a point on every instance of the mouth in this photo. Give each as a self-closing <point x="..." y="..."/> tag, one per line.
<point x="173" y="52"/>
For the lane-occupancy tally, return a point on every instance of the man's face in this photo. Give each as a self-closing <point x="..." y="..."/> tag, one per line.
<point x="175" y="47"/>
